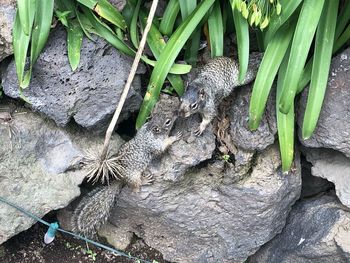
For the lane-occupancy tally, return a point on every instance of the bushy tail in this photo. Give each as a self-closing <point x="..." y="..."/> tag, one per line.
<point x="255" y="59"/>
<point x="94" y="209"/>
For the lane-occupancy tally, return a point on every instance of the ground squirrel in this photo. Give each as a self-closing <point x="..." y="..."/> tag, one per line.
<point x="131" y="161"/>
<point x="213" y="82"/>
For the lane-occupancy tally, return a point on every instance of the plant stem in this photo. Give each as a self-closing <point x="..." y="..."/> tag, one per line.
<point x="128" y="82"/>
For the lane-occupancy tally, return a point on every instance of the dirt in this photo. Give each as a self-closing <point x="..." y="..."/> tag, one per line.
<point x="28" y="247"/>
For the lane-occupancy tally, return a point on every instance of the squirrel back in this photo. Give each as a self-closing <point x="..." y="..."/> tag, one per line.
<point x="214" y="81"/>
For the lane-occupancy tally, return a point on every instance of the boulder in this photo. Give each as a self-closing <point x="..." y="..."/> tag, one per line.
<point x="317" y="230"/>
<point x="333" y="166"/>
<point x="207" y="217"/>
<point x="240" y="133"/>
<point x="39" y="168"/>
<point x="333" y="127"/>
<point x="88" y="95"/>
<point x="7" y="19"/>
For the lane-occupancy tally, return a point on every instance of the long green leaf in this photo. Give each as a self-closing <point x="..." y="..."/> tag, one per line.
<point x="157" y="44"/>
<point x="276" y="21"/>
<point x="303" y="36"/>
<point x="105" y="32"/>
<point x="41" y="28"/>
<point x="186" y="7"/>
<point x="128" y="11"/>
<point x="168" y="56"/>
<point x="20" y="47"/>
<point x="26" y="11"/>
<point x="285" y="122"/>
<point x="85" y="25"/>
<point x="192" y="46"/>
<point x="344" y="37"/>
<point x="343" y="20"/>
<point x="339" y="42"/>
<point x="110" y="13"/>
<point x="216" y="31"/>
<point x="134" y="35"/>
<point x="242" y="33"/>
<point x="74" y="40"/>
<point x="40" y="33"/>
<point x="272" y="59"/>
<point x="169" y="17"/>
<point x="321" y="64"/>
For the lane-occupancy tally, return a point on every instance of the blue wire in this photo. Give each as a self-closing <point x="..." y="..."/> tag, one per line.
<point x="70" y="233"/>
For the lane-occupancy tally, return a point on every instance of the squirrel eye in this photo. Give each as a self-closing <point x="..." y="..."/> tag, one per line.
<point x="167" y="122"/>
<point x="194" y="106"/>
<point x="156" y="130"/>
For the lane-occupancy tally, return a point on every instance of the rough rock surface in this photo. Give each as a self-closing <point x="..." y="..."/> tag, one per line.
<point x="317" y="230"/>
<point x="204" y="217"/>
<point x="333" y="128"/>
<point x="333" y="166"/>
<point x="186" y="153"/>
<point x="38" y="167"/>
<point x="89" y="94"/>
<point x="241" y="135"/>
<point x="7" y="18"/>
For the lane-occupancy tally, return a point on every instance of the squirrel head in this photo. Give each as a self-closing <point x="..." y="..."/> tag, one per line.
<point x="193" y="100"/>
<point x="161" y="123"/>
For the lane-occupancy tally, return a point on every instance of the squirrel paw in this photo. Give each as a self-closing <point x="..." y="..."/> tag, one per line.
<point x="198" y="132"/>
<point x="178" y="135"/>
<point x="147" y="179"/>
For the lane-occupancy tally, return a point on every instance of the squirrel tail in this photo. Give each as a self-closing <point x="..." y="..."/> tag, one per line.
<point x="94" y="209"/>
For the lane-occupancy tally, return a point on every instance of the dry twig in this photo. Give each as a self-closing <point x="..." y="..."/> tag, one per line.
<point x="100" y="166"/>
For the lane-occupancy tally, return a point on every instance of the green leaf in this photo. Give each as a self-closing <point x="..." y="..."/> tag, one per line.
<point x="104" y="31"/>
<point x="85" y="25"/>
<point x="216" y="31"/>
<point x="74" y="40"/>
<point x="101" y="29"/>
<point x="157" y="44"/>
<point x="134" y="35"/>
<point x="192" y="45"/>
<point x="344" y="37"/>
<point x="285" y="122"/>
<point x="242" y="33"/>
<point x="169" y="17"/>
<point x="321" y="65"/>
<point x="343" y="19"/>
<point x="26" y="12"/>
<point x="41" y="27"/>
<point x="110" y="13"/>
<point x="267" y="72"/>
<point x="20" y="47"/>
<point x="168" y="56"/>
<point x="62" y="16"/>
<point x="186" y="7"/>
<point x="89" y="3"/>
<point x="303" y="36"/>
<point x="40" y="33"/>
<point x="276" y="21"/>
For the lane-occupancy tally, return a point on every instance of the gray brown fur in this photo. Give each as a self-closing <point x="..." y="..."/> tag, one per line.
<point x="150" y="141"/>
<point x="130" y="162"/>
<point x="94" y="209"/>
<point x="213" y="82"/>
